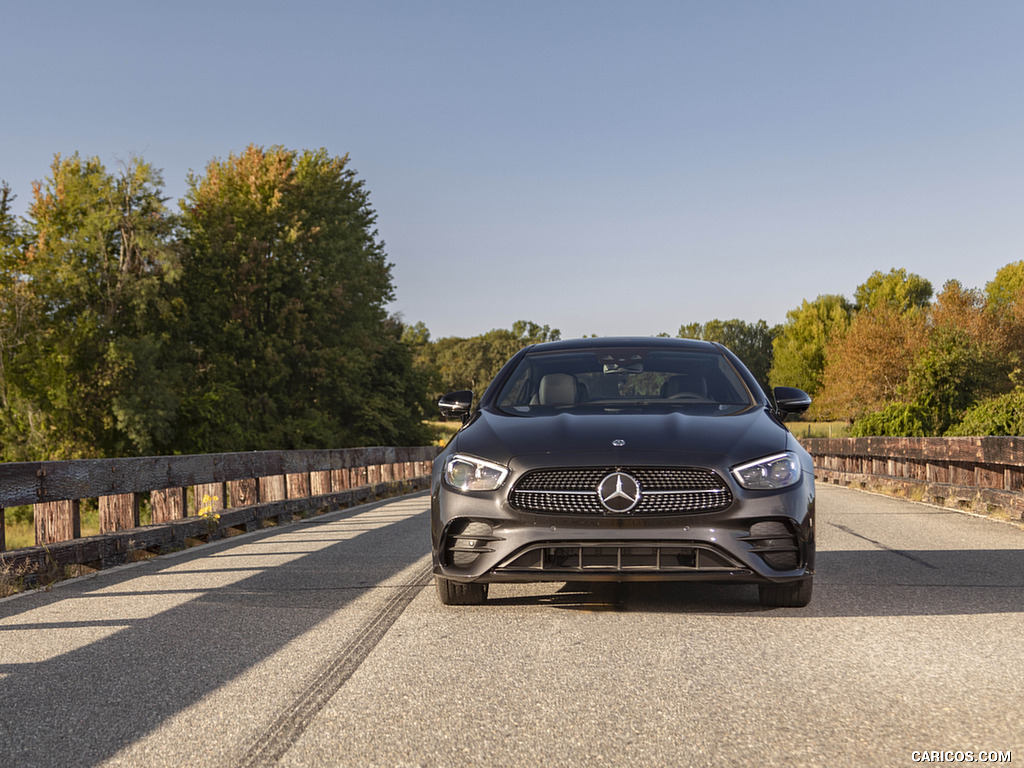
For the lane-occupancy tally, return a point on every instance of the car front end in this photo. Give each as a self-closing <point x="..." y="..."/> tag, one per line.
<point x="616" y="490"/>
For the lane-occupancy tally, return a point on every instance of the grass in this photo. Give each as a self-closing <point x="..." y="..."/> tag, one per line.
<point x="806" y="429"/>
<point x="20" y="530"/>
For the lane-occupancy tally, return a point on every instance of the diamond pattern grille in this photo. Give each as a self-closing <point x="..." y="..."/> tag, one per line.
<point x="664" y="491"/>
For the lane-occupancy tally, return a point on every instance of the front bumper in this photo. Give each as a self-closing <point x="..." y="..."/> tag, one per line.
<point x="762" y="537"/>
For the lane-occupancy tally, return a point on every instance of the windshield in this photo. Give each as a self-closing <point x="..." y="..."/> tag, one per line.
<point x="616" y="378"/>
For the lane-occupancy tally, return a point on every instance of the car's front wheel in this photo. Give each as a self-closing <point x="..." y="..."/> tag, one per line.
<point x="795" y="594"/>
<point x="460" y="593"/>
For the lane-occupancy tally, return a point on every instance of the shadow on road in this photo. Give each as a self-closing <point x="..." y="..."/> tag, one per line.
<point x="847" y="583"/>
<point x="83" y="705"/>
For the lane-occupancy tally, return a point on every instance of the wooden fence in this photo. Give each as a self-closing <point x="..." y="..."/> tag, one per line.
<point x="246" y="490"/>
<point x="985" y="474"/>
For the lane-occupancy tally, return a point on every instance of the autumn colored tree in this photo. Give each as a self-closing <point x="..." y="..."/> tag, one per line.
<point x="963" y="359"/>
<point x="798" y="349"/>
<point x="867" y="366"/>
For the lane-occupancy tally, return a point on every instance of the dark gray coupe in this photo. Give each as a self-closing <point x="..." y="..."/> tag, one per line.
<point x="624" y="459"/>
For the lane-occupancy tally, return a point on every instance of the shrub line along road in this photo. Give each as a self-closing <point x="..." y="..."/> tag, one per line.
<point x="317" y="644"/>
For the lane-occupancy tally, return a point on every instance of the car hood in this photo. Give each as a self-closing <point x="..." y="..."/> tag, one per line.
<point x="728" y="437"/>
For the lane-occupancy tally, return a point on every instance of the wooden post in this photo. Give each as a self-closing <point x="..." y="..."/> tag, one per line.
<point x="359" y="476"/>
<point x="119" y="512"/>
<point x="3" y="535"/>
<point x="984" y="477"/>
<point x="272" y="489"/>
<point x="168" y="504"/>
<point x="298" y="485"/>
<point x="57" y="521"/>
<point x="1013" y="479"/>
<point x="244" y="492"/>
<point x="212" y="493"/>
<point x="319" y="483"/>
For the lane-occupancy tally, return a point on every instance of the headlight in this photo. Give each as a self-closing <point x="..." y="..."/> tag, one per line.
<point x="468" y="473"/>
<point x="771" y="473"/>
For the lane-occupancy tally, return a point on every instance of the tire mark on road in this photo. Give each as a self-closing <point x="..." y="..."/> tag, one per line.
<point x="880" y="545"/>
<point x="292" y="722"/>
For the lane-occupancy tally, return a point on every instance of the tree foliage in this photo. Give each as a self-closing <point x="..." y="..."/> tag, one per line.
<point x="471" y="363"/>
<point x="1007" y="287"/>
<point x="92" y="278"/>
<point x="255" y="317"/>
<point x="867" y="366"/>
<point x="897" y="419"/>
<point x="898" y="289"/>
<point x="799" y="346"/>
<point x="1001" y="415"/>
<point x="284" y="292"/>
<point x="751" y="342"/>
<point x="963" y="357"/>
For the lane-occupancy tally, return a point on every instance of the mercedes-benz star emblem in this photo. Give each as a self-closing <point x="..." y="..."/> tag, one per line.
<point x="619" y="492"/>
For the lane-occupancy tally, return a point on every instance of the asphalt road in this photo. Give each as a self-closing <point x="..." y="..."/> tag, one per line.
<point x="322" y="644"/>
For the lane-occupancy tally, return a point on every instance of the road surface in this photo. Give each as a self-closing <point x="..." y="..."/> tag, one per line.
<point x="322" y="643"/>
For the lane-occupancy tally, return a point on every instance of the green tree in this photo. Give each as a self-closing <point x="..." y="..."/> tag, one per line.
<point x="1007" y="287"/>
<point x="1004" y="304"/>
<point x="896" y="288"/>
<point x="471" y="363"/>
<point x="16" y="329"/>
<point x="1001" y="415"/>
<point x="751" y="342"/>
<point x="798" y="358"/>
<point x="948" y="376"/>
<point x="12" y="289"/>
<point x="91" y="378"/>
<point x="285" y="284"/>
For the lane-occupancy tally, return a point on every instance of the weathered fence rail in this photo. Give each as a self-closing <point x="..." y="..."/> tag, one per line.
<point x="246" y="490"/>
<point x="981" y="473"/>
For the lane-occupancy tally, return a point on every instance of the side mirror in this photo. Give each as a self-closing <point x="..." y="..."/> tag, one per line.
<point x="456" y="404"/>
<point x="789" y="400"/>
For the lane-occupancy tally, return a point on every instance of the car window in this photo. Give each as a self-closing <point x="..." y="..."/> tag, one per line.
<point x="636" y="377"/>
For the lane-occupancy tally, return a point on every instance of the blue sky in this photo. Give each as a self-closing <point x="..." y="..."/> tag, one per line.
<point x="609" y="168"/>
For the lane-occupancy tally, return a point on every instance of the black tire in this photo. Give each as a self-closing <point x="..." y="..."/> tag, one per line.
<point x="460" y="593"/>
<point x="795" y="594"/>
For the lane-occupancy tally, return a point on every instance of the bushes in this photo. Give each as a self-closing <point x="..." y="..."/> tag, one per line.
<point x="1003" y="415"/>
<point x="896" y="420"/>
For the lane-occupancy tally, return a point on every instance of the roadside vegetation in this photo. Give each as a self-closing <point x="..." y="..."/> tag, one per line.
<point x="896" y="359"/>
<point x="252" y="316"/>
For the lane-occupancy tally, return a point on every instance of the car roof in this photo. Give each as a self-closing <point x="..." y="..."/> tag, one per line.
<point x="658" y="342"/>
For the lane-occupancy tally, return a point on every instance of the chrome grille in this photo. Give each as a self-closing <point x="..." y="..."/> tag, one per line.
<point x="663" y="491"/>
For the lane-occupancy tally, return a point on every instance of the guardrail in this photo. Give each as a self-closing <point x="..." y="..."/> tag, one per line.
<point x="246" y="490"/>
<point x="983" y="474"/>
